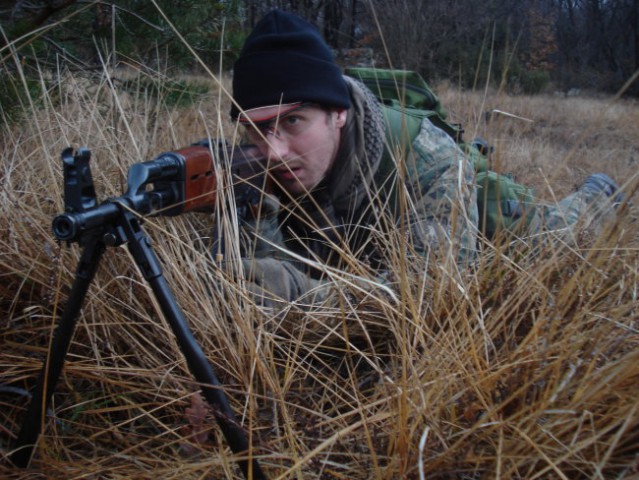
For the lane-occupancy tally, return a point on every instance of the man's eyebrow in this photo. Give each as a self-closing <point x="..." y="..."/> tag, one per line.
<point x="276" y="119"/>
<point x="243" y="119"/>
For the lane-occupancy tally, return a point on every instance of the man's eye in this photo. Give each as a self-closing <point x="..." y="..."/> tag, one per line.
<point x="292" y="120"/>
<point x="292" y="124"/>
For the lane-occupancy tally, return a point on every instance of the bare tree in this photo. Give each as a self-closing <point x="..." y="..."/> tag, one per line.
<point x="334" y="18"/>
<point x="635" y="28"/>
<point x="25" y="16"/>
<point x="404" y="27"/>
<point x="598" y="42"/>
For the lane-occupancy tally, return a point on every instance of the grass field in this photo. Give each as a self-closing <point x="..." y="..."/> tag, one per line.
<point x="522" y="367"/>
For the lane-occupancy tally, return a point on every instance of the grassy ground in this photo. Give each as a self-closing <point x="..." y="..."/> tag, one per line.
<point x="524" y="367"/>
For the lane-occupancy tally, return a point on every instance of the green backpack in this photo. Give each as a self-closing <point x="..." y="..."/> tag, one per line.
<point x="406" y="98"/>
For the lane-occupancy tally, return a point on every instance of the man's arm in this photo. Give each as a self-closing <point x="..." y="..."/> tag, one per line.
<point x="440" y="180"/>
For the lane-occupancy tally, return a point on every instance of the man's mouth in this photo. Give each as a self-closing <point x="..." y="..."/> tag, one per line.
<point x="286" y="173"/>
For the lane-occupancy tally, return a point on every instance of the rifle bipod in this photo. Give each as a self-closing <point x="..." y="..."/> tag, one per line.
<point x="115" y="223"/>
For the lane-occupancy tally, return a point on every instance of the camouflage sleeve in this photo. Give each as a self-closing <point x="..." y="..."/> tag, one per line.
<point x="274" y="282"/>
<point x="270" y="275"/>
<point x="260" y="233"/>
<point x="440" y="180"/>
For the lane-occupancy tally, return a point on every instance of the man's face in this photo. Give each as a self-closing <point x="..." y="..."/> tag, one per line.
<point x="300" y="142"/>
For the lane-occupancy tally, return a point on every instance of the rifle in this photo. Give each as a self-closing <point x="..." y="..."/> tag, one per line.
<point x="171" y="184"/>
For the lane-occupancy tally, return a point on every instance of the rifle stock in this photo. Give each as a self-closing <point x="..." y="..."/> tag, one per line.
<point x="200" y="180"/>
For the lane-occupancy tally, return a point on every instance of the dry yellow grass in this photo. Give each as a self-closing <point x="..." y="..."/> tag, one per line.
<point x="553" y="142"/>
<point x="524" y="367"/>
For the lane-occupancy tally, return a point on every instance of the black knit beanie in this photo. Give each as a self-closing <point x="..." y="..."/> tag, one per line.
<point x="285" y="60"/>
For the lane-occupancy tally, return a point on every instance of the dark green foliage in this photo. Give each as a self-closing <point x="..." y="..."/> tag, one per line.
<point x="87" y="37"/>
<point x="203" y="25"/>
<point x="531" y="81"/>
<point x="168" y="37"/>
<point x="172" y="93"/>
<point x="15" y="95"/>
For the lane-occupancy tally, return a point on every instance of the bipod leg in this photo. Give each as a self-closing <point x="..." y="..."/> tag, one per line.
<point x="197" y="362"/>
<point x="52" y="367"/>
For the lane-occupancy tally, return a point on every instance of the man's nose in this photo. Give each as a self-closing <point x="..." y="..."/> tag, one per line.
<point x="277" y="148"/>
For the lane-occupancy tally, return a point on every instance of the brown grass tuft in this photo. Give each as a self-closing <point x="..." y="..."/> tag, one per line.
<point x="523" y="367"/>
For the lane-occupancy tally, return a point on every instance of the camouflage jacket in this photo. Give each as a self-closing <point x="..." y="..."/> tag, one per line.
<point x="426" y="194"/>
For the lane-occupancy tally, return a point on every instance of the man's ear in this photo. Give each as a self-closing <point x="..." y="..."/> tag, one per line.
<point x="340" y="117"/>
